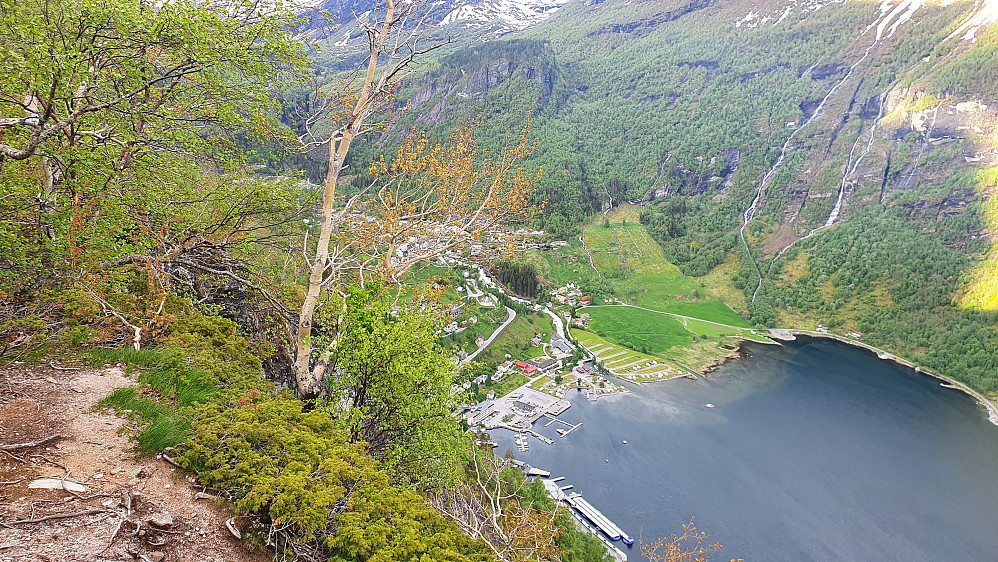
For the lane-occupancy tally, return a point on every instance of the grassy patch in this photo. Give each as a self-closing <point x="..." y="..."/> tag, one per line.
<point x="162" y="427"/>
<point x="720" y="283"/>
<point x="515" y="341"/>
<point x="539" y="383"/>
<point x="202" y="362"/>
<point x="166" y="372"/>
<point x="606" y="349"/>
<point x="636" y="268"/>
<point x="649" y="332"/>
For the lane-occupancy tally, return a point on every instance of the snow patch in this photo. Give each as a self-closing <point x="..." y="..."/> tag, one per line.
<point x="511" y="15"/>
<point x="984" y="14"/>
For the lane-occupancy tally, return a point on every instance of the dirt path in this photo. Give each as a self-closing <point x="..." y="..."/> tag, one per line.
<point x="122" y="491"/>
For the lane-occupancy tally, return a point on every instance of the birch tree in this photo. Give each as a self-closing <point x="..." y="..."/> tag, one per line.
<point x="119" y="122"/>
<point x="433" y="197"/>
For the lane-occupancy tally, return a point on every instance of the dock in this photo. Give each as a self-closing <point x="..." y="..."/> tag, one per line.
<point x="541" y="437"/>
<point x="529" y="470"/>
<point x="590" y="518"/>
<point x="561" y="432"/>
<point x="601" y="521"/>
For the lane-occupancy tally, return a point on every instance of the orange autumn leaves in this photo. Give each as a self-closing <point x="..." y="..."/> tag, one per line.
<point x="439" y="196"/>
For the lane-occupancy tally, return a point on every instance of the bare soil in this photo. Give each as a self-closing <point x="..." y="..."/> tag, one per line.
<point x="111" y="519"/>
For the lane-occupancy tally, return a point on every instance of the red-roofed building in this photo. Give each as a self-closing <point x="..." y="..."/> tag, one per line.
<point x="585" y="299"/>
<point x="530" y="370"/>
<point x="521" y="365"/>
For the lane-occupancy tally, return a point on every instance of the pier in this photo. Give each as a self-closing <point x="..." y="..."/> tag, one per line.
<point x="589" y="518"/>
<point x="541" y="437"/>
<point x="602" y="522"/>
<point x="561" y="432"/>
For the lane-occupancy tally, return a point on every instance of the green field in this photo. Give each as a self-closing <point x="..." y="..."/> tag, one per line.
<point x="488" y="320"/>
<point x="635" y="267"/>
<point x="693" y="344"/>
<point x="639" y="329"/>
<point x="622" y="360"/>
<point x="515" y="341"/>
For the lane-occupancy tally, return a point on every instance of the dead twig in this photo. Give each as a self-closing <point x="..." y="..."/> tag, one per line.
<point x="17" y="446"/>
<point x="13" y="456"/>
<point x="52" y="365"/>
<point x="114" y="535"/>
<point x="50" y="461"/>
<point x="169" y="460"/>
<point x="51" y="517"/>
<point x="232" y="529"/>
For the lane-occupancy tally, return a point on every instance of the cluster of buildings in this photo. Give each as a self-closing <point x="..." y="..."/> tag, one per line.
<point x="582" y="321"/>
<point x="456" y="327"/>
<point x="516" y="410"/>
<point x="569" y="295"/>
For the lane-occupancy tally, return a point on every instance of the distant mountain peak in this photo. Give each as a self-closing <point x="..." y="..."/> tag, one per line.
<point x="510" y="15"/>
<point x="484" y="18"/>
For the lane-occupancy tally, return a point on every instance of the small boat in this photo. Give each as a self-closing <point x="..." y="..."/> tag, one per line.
<point x="710" y="405"/>
<point x="625" y="441"/>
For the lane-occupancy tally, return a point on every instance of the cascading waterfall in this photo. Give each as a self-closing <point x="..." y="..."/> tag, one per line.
<point x="889" y="23"/>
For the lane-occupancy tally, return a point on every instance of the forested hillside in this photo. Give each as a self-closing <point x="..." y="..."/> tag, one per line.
<point x="821" y="123"/>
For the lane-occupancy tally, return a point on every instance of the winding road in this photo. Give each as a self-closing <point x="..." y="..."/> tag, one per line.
<point x="510" y="316"/>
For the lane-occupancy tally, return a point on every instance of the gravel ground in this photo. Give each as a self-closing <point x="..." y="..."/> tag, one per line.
<point x="132" y="508"/>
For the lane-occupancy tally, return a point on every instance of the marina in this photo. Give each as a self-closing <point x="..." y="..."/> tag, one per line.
<point x="561" y="432"/>
<point x="601" y="522"/>
<point x="589" y="518"/>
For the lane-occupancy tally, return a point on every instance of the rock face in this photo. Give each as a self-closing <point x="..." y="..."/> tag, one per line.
<point x="475" y="74"/>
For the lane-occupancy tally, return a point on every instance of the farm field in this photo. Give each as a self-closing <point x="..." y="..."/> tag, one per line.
<point x="623" y="362"/>
<point x="691" y="344"/>
<point x="634" y="265"/>
<point x="639" y="329"/>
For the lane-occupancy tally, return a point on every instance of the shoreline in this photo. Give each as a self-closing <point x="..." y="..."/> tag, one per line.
<point x="989" y="406"/>
<point x="790" y="335"/>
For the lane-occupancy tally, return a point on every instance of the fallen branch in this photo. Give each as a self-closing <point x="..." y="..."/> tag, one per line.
<point x="17" y="446"/>
<point x="13" y="456"/>
<point x="51" y="517"/>
<point x="232" y="529"/>
<point x="114" y="535"/>
<point x="169" y="460"/>
<point x="52" y="365"/>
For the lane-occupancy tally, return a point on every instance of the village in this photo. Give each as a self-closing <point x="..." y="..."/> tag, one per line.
<point x="551" y="366"/>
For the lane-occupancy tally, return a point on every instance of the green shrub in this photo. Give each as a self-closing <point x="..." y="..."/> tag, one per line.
<point x="297" y="469"/>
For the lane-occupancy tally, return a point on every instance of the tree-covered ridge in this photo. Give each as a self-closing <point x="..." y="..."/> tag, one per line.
<point x="669" y="116"/>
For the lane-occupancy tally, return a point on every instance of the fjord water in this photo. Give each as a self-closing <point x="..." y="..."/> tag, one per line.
<point x="815" y="450"/>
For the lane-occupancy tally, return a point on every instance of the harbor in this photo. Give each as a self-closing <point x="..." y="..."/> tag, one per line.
<point x="589" y="518"/>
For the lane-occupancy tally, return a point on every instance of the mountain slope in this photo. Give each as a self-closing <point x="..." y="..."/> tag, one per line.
<point x="831" y="158"/>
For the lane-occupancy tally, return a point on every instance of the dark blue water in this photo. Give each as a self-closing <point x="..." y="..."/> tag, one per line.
<point x="815" y="451"/>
